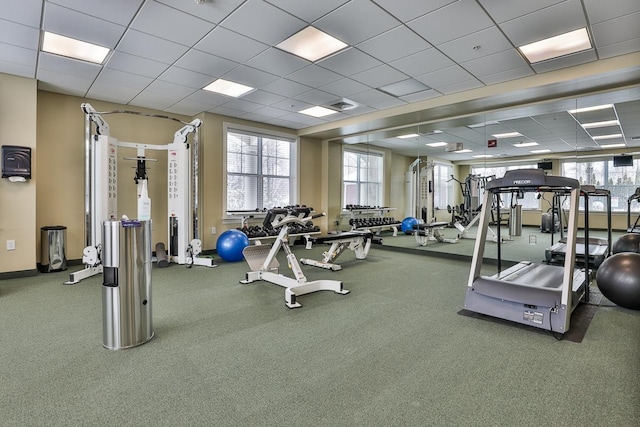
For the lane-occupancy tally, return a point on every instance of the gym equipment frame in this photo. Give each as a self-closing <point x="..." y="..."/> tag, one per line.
<point x="534" y="294"/>
<point x="101" y="187"/>
<point x="597" y="249"/>
<point x="633" y="228"/>
<point x="432" y="232"/>
<point x="264" y="265"/>
<point x="357" y="241"/>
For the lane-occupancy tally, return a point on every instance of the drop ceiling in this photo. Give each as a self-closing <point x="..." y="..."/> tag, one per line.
<point x="164" y="52"/>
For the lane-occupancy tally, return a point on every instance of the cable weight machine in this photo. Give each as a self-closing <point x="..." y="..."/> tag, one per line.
<point x="101" y="186"/>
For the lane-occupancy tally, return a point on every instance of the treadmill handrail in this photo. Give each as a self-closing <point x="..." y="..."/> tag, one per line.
<point x="531" y="180"/>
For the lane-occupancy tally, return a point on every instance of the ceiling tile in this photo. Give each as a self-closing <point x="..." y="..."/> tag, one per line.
<point x="617" y="30"/>
<point x="356" y="22"/>
<point x="291" y="105"/>
<point x="212" y="11"/>
<point x="242" y="105"/>
<point x="476" y="46"/>
<point x="316" y="97"/>
<point x="423" y="62"/>
<point x="548" y="22"/>
<point x="450" y="80"/>
<point x="54" y="81"/>
<point x="406" y="10"/>
<point x="184" y="77"/>
<point x="376" y="99"/>
<point x="344" y="87"/>
<point x="262" y="21"/>
<point x="314" y="76"/>
<point x="250" y="76"/>
<point x="349" y="62"/>
<point x="394" y="44"/>
<point x="16" y="69"/>
<point x="600" y="11"/>
<point x="628" y="46"/>
<point x="150" y="47"/>
<point x="271" y="112"/>
<point x="496" y="63"/>
<point x="28" y="13"/>
<point x="120" y="78"/>
<point x="286" y="88"/>
<point x="308" y="11"/>
<point x="19" y="56"/>
<point x="230" y="45"/>
<point x="380" y="76"/>
<point x="204" y="63"/>
<point x="70" y="23"/>
<point x="506" y="75"/>
<point x="436" y="27"/>
<point x="72" y="67"/>
<point x="277" y="62"/>
<point x="117" y="11"/>
<point x="263" y="97"/>
<point x="168" y="23"/>
<point x="19" y="35"/>
<point x="502" y="11"/>
<point x="207" y="97"/>
<point x="135" y="65"/>
<point x="112" y="92"/>
<point x="188" y="107"/>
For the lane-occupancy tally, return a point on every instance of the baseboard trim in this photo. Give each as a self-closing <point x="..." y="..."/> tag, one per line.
<point x="18" y="274"/>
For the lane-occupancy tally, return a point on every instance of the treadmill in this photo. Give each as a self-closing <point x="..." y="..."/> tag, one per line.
<point x="635" y="228"/>
<point x="535" y="294"/>
<point x="598" y="249"/>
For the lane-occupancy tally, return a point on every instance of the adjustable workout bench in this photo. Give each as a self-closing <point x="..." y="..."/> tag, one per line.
<point x="431" y="231"/>
<point x="358" y="241"/>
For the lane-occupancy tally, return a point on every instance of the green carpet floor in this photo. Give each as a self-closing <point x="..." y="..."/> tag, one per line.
<point x="393" y="352"/>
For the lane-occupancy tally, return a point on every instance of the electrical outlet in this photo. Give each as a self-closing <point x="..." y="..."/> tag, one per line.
<point x="213" y="230"/>
<point x="11" y="245"/>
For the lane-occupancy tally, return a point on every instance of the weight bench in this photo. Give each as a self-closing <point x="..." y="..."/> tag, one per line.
<point x="358" y="242"/>
<point x="425" y="232"/>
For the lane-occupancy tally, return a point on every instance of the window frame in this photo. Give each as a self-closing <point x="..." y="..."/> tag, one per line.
<point x="367" y="152"/>
<point x="448" y="185"/>
<point x="294" y="167"/>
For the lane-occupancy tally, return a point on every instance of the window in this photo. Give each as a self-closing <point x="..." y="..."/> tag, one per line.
<point x="621" y="181"/>
<point x="261" y="170"/>
<point x="442" y="185"/>
<point x="362" y="177"/>
<point x="529" y="201"/>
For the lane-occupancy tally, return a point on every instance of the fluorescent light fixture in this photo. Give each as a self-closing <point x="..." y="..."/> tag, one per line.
<point x="436" y="144"/>
<point x="525" y="144"/>
<point x="618" y="145"/>
<point x="466" y="150"/>
<point x="228" y="88"/>
<point x="506" y="135"/>
<point x="317" y="111"/>
<point x="587" y="109"/>
<point x="481" y="156"/>
<point x="544" y="150"/>
<point x="554" y="47"/>
<point x="72" y="48"/>
<point x="600" y="124"/>
<point x="611" y="136"/>
<point x="410" y="135"/>
<point x="311" y="44"/>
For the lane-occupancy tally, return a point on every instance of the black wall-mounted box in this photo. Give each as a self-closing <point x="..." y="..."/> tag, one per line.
<point x="16" y="161"/>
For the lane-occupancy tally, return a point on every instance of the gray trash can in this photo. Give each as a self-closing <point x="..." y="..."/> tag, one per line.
<point x="126" y="284"/>
<point x="53" y="248"/>
<point x="515" y="221"/>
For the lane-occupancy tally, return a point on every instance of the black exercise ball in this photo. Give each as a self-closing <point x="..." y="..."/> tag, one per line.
<point x="627" y="243"/>
<point x="618" y="279"/>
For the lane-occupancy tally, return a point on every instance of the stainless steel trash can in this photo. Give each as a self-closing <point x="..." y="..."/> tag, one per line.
<point x="53" y="248"/>
<point x="515" y="221"/>
<point x="126" y="284"/>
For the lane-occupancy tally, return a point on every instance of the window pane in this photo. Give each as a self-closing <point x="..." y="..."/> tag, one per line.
<point x="350" y="191"/>
<point x="362" y="177"/>
<point x="241" y="192"/>
<point x="275" y="191"/>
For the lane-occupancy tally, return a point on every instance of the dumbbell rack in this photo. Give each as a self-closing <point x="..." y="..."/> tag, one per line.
<point x="376" y="214"/>
<point x="245" y="216"/>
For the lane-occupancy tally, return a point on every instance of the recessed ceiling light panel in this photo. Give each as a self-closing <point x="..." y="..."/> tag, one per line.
<point x="311" y="44"/>
<point x="554" y="47"/>
<point x="72" y="48"/>
<point x="317" y="111"/>
<point x="228" y="88"/>
<point x="436" y="144"/>
<point x="525" y="144"/>
<point x="600" y="124"/>
<point x="407" y="136"/>
<point x="544" y="150"/>
<point x="507" y="135"/>
<point x="592" y="108"/>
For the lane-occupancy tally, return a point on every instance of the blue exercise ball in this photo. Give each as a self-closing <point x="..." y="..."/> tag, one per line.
<point x="230" y="245"/>
<point x="407" y="224"/>
<point x="618" y="279"/>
